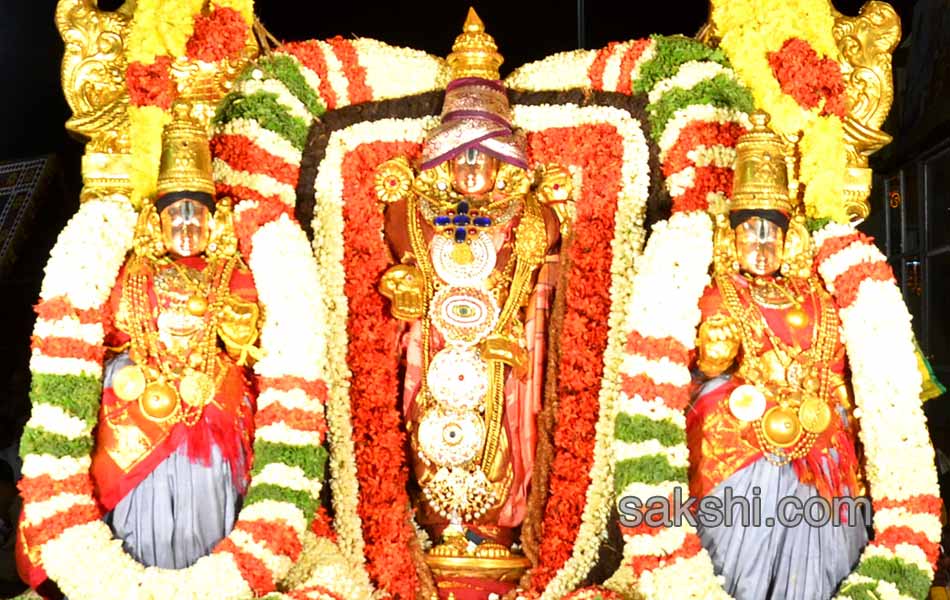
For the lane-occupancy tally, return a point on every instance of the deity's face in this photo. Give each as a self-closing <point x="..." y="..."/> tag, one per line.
<point x="473" y="172"/>
<point x="759" y="246"/>
<point x="186" y="227"/>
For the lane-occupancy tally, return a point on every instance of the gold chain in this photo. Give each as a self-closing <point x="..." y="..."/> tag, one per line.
<point x="523" y="267"/>
<point x="751" y="322"/>
<point x="143" y="332"/>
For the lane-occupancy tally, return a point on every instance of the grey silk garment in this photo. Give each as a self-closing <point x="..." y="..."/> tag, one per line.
<point x="780" y="562"/>
<point x="180" y="511"/>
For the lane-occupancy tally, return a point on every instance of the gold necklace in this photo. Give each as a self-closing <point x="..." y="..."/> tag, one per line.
<point x="160" y="391"/>
<point x="529" y="247"/>
<point x="808" y="375"/>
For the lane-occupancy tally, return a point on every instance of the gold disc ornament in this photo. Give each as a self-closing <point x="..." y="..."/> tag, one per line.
<point x="196" y="388"/>
<point x="129" y="383"/>
<point x="796" y="318"/>
<point x="747" y="403"/>
<point x="814" y="414"/>
<point x="197" y="305"/>
<point x="159" y="401"/>
<point x="780" y="427"/>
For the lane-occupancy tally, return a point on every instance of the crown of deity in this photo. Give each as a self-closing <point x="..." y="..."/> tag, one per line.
<point x="474" y="53"/>
<point x="475" y="112"/>
<point x="761" y="176"/>
<point x="185" y="164"/>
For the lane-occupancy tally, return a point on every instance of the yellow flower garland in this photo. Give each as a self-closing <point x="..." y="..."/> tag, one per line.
<point x="749" y="30"/>
<point x="160" y="28"/>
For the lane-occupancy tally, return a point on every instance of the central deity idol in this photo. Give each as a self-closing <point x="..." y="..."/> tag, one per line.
<point x="476" y="234"/>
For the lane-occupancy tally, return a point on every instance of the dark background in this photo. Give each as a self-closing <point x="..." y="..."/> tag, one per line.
<point x="911" y="218"/>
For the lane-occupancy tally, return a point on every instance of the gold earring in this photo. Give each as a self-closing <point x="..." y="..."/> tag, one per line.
<point x="148" y="242"/>
<point x="223" y="242"/>
<point x="725" y="259"/>
<point x="798" y="252"/>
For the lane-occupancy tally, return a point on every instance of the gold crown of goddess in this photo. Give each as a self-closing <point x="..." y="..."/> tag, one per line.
<point x="186" y="155"/>
<point x="761" y="176"/>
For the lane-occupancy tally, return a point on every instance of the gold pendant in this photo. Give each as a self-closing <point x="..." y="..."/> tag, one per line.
<point x="197" y="305"/>
<point x="781" y="427"/>
<point x="814" y="414"/>
<point x="462" y="254"/>
<point x="129" y="383"/>
<point x="747" y="403"/>
<point x="196" y="388"/>
<point x="159" y="401"/>
<point x="796" y="318"/>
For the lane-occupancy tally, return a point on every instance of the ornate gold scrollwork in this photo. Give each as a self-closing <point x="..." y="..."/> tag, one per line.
<point x="93" y="78"/>
<point x="93" y="72"/>
<point x="866" y="43"/>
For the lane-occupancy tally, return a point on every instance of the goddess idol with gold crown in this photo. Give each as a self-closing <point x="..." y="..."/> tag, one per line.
<point x="773" y="418"/>
<point x="172" y="449"/>
<point x="476" y="237"/>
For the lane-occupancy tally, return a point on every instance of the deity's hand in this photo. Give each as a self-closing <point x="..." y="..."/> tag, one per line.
<point x="238" y="329"/>
<point x="403" y="285"/>
<point x="718" y="343"/>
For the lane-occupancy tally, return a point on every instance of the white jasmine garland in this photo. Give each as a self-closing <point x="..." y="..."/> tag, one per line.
<point x="661" y="371"/>
<point x="263" y="138"/>
<point x="712" y="156"/>
<point x="675" y="268"/>
<point x="91" y="333"/>
<point x="289" y="289"/>
<point x="696" y="113"/>
<point x="89" y="252"/>
<point x="276" y="510"/>
<point x="611" y="75"/>
<point x="689" y="75"/>
<point x="382" y="61"/>
<point x="261" y="183"/>
<point x="661" y="543"/>
<point x="335" y="75"/>
<point x="656" y="410"/>
<point x="562" y="71"/>
<point x="686" y="579"/>
<point x="37" y="512"/>
<point x="283" y="95"/>
<point x="55" y="420"/>
<point x="56" y="365"/>
<point x="55" y="467"/>
<point x="680" y="182"/>
<point x="293" y="399"/>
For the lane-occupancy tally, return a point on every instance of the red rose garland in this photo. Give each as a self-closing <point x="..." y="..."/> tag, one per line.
<point x="599" y="150"/>
<point x="151" y="85"/>
<point x="217" y="36"/>
<point x="808" y="79"/>
<point x="373" y="358"/>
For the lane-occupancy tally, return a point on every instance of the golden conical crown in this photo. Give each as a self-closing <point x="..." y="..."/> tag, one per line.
<point x="186" y="155"/>
<point x="761" y="179"/>
<point x="474" y="53"/>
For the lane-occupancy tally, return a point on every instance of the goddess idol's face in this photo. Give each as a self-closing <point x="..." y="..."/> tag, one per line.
<point x="186" y="227"/>
<point x="473" y="172"/>
<point x="759" y="246"/>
